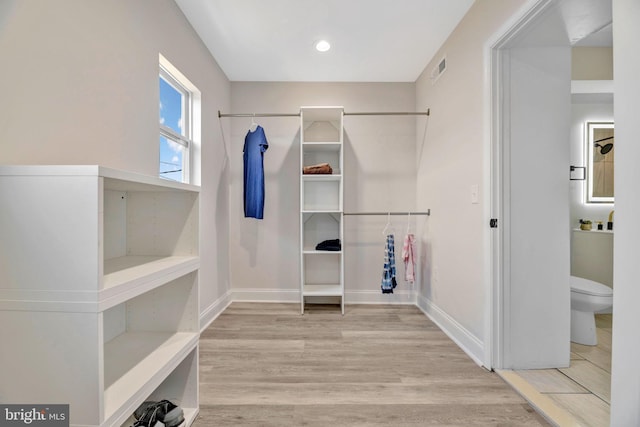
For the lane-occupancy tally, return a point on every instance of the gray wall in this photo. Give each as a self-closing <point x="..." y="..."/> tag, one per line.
<point x="451" y="158"/>
<point x="80" y="86"/>
<point x="379" y="175"/>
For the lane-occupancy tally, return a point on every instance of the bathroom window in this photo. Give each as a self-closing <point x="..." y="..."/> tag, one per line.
<point x="600" y="160"/>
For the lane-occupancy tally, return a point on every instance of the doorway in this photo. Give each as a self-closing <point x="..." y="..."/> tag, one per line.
<point x="530" y="92"/>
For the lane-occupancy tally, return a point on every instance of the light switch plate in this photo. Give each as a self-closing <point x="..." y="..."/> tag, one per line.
<point x="474" y="194"/>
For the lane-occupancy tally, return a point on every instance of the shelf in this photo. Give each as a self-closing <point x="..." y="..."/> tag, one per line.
<point x="317" y="147"/>
<point x="116" y="179"/>
<point x="136" y="363"/>
<point x="322" y="177"/>
<point x="126" y="277"/>
<point x="316" y="252"/>
<point x="317" y="211"/>
<point x="323" y="290"/>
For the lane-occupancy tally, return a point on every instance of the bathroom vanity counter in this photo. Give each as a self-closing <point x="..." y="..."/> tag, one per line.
<point x="592" y="255"/>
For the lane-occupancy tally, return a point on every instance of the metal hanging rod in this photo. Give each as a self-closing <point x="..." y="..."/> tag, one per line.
<point x="428" y="213"/>
<point x="391" y="113"/>
<point x="259" y="114"/>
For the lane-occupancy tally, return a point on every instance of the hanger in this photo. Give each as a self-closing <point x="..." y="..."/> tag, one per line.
<point x="254" y="125"/>
<point x="408" y="221"/>
<point x="384" y="232"/>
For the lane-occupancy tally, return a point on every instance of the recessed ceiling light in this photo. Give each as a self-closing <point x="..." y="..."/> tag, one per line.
<point x="322" y="46"/>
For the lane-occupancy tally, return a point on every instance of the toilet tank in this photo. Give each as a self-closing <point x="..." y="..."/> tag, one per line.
<point x="589" y="287"/>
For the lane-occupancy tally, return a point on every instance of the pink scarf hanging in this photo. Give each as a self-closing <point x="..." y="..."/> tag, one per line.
<point x="408" y="256"/>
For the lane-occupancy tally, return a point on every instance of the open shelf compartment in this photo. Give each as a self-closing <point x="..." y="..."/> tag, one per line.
<point x="321" y="124"/>
<point x="322" y="270"/>
<point x="180" y="388"/>
<point x="146" y="338"/>
<point x="317" y="153"/>
<point x="147" y="233"/>
<point x="318" y="227"/>
<point x="322" y="195"/>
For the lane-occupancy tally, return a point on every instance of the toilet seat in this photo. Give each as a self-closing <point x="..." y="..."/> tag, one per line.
<point x="589" y="287"/>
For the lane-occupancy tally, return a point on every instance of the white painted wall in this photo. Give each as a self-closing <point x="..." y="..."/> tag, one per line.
<point x="625" y="374"/>
<point x="450" y="159"/>
<point x="379" y="174"/>
<point x="80" y="86"/>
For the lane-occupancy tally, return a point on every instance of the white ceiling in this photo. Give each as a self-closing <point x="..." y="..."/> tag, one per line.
<point x="372" y="40"/>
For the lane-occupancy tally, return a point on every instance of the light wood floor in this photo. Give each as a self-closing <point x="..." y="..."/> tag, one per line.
<point x="583" y="389"/>
<point x="266" y="365"/>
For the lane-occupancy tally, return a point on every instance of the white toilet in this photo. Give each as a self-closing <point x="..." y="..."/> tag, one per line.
<point x="587" y="297"/>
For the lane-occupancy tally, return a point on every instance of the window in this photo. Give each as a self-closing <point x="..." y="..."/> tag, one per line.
<point x="178" y="115"/>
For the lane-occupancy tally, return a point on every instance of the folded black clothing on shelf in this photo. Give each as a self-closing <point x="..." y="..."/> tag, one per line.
<point x="329" y="245"/>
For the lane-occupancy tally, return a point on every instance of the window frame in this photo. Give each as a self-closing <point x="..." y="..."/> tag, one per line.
<point x="190" y="115"/>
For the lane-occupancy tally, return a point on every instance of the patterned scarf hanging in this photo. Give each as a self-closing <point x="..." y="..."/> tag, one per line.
<point x="389" y="271"/>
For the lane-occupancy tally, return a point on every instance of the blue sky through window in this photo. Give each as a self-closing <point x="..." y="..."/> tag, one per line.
<point x="171" y="153"/>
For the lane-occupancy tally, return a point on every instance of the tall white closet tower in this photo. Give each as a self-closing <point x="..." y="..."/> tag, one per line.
<point x="321" y="204"/>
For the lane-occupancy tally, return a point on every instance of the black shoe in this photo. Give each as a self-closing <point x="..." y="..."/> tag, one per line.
<point x="172" y="415"/>
<point x="149" y="413"/>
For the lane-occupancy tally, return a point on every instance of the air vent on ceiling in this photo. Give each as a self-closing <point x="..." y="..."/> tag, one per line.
<point x="438" y="70"/>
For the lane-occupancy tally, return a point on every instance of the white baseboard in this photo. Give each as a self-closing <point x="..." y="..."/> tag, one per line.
<point x="265" y="295"/>
<point x="210" y="313"/>
<point x="352" y="297"/>
<point x="399" y="296"/>
<point x="468" y="342"/>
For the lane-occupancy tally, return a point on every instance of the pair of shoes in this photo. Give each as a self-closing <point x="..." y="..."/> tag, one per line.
<point x="149" y="413"/>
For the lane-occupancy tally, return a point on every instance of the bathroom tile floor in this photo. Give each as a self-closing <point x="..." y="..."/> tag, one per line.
<point x="579" y="395"/>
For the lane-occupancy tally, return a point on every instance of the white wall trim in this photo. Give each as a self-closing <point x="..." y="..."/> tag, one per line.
<point x="265" y="295"/>
<point x="469" y="343"/>
<point x="399" y="296"/>
<point x="211" y="313"/>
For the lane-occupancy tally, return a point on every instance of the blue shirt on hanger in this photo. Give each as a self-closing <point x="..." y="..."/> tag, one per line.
<point x="255" y="144"/>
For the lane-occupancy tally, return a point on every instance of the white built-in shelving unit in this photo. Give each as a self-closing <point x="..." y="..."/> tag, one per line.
<point x="321" y="204"/>
<point x="98" y="291"/>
